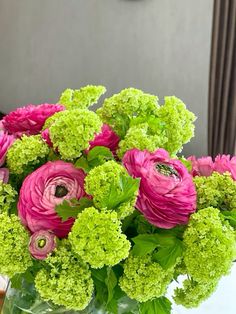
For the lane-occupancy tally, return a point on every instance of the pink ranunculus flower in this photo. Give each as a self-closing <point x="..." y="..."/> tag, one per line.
<point x="45" y="188"/>
<point x="6" y="141"/>
<point x="223" y="163"/>
<point x="107" y="137"/>
<point x="30" y="119"/>
<point x="203" y="166"/>
<point x="167" y="194"/>
<point x="42" y="243"/>
<point x="4" y="175"/>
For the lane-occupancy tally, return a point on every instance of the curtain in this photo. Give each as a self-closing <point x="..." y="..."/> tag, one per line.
<point x="222" y="80"/>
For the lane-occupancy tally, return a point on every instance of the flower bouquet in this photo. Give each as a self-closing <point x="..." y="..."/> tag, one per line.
<point x="98" y="213"/>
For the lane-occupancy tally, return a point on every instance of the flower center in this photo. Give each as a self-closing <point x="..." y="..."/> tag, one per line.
<point x="41" y="243"/>
<point x="167" y="170"/>
<point x="61" y="191"/>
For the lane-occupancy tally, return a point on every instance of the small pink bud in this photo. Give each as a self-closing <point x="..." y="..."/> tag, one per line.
<point x="42" y="243"/>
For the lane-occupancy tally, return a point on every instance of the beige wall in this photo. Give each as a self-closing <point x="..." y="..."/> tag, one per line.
<point x="161" y="46"/>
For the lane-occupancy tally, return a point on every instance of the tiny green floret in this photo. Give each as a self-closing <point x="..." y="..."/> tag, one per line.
<point x="81" y="98"/>
<point x="105" y="178"/>
<point x="24" y="152"/>
<point x="66" y="280"/>
<point x="177" y="123"/>
<point x="97" y="238"/>
<point x="194" y="293"/>
<point x="72" y="130"/>
<point x="144" y="279"/>
<point x="119" y="109"/>
<point x="14" y="238"/>
<point x="210" y="246"/>
<point x="217" y="190"/>
<point x="7" y="197"/>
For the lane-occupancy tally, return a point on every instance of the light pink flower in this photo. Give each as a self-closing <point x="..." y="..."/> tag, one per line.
<point x="107" y="137"/>
<point x="6" y="141"/>
<point x="223" y="163"/>
<point x="30" y="119"/>
<point x="4" y="175"/>
<point x="42" y="243"/>
<point x="167" y="194"/>
<point x="203" y="166"/>
<point x="45" y="188"/>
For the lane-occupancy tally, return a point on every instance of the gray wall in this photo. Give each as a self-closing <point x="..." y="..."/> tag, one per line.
<point x="160" y="46"/>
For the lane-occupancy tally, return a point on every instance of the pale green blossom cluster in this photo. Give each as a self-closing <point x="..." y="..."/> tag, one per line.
<point x="7" y="197"/>
<point x="217" y="190"/>
<point x="14" y="238"/>
<point x="144" y="279"/>
<point x="97" y="238"/>
<point x="81" y="98"/>
<point x="66" y="280"/>
<point x="99" y="182"/>
<point x="210" y="249"/>
<point x="26" y="152"/>
<point x="71" y="131"/>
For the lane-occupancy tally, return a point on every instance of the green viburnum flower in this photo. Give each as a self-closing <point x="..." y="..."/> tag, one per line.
<point x="210" y="246"/>
<point x="7" y="197"/>
<point x="217" y="190"/>
<point x="104" y="183"/>
<point x="144" y="279"/>
<point x="26" y="152"/>
<point x="177" y="123"/>
<point x="14" y="254"/>
<point x="140" y="137"/>
<point x="66" y="280"/>
<point x="119" y="109"/>
<point x="193" y="293"/>
<point x="71" y="131"/>
<point x="81" y="98"/>
<point x="97" y="238"/>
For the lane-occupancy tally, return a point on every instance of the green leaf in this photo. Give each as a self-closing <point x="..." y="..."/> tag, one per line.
<point x="99" y="274"/>
<point x="71" y="208"/>
<point x="128" y="186"/>
<point x="111" y="282"/>
<point x="145" y="244"/>
<point x="157" y="306"/>
<point x="82" y="163"/>
<point x="167" y="255"/>
<point x="98" y="155"/>
<point x="230" y="216"/>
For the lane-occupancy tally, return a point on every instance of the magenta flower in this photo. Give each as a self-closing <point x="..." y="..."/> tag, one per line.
<point x="203" y="166"/>
<point x="6" y="141"/>
<point x="167" y="194"/>
<point x="42" y="243"/>
<point x="45" y="188"/>
<point x="46" y="137"/>
<point x="4" y="175"/>
<point x="223" y="163"/>
<point x="30" y="119"/>
<point x="107" y="137"/>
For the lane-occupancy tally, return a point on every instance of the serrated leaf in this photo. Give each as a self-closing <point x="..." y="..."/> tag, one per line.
<point x="145" y="244"/>
<point x="71" y="208"/>
<point x="167" y="255"/>
<point x="83" y="164"/>
<point x="230" y="216"/>
<point x="98" y="155"/>
<point x="128" y="186"/>
<point x="157" y="306"/>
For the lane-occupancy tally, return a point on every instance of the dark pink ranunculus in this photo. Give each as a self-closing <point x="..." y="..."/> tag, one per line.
<point x="107" y="137"/>
<point x="223" y="163"/>
<point x="6" y="141"/>
<point x="167" y="194"/>
<point x="203" y="166"/>
<point x="42" y="243"/>
<point x="45" y="188"/>
<point x="4" y="175"/>
<point x="30" y="119"/>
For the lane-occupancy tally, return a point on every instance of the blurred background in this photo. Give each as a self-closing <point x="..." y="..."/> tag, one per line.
<point x="185" y="48"/>
<point x="160" y="46"/>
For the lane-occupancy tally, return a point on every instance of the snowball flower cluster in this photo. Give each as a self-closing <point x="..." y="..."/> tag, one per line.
<point x="7" y="197"/>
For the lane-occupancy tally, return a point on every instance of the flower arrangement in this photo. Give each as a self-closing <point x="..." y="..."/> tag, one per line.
<point x="99" y="211"/>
